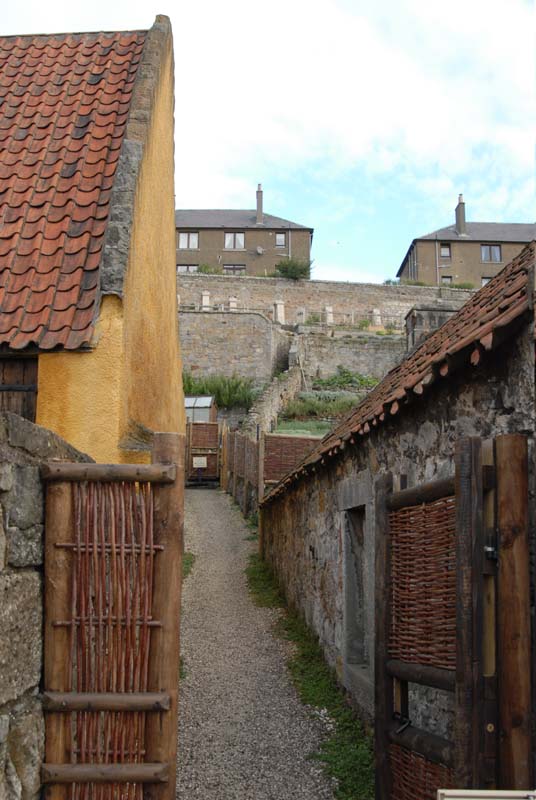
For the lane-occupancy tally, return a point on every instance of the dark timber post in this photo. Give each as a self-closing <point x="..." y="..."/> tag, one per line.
<point x="469" y="718"/>
<point x="161" y="728"/>
<point x="514" y="665"/>
<point x="383" y="683"/>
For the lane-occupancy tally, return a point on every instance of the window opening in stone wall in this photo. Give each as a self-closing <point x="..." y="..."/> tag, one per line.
<point x="182" y="268"/>
<point x="446" y="279"/>
<point x="444" y="251"/>
<point x="354" y="600"/>
<point x="234" y="269"/>
<point x="280" y="240"/>
<point x="491" y="252"/>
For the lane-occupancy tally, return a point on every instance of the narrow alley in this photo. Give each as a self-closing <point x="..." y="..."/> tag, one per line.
<point x="244" y="734"/>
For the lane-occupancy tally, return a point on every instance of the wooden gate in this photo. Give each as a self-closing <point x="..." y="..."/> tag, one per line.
<point x="452" y="600"/>
<point x="113" y="550"/>
<point x="202" y="452"/>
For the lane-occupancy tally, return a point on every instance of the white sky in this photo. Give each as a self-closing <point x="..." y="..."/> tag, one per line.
<point x="418" y="100"/>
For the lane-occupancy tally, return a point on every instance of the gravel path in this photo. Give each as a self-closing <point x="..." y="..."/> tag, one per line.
<point x="244" y="735"/>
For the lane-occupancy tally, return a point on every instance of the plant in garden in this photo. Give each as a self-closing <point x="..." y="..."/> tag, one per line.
<point x="294" y="269"/>
<point x="233" y="392"/>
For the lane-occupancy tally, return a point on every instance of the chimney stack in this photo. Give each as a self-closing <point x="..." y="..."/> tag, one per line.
<point x="259" y="205"/>
<point x="461" y="229"/>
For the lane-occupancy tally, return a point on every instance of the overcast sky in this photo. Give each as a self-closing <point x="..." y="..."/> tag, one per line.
<point x="363" y="123"/>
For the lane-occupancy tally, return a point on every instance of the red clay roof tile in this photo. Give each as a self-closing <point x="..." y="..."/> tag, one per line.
<point x="65" y="103"/>
<point x="505" y="299"/>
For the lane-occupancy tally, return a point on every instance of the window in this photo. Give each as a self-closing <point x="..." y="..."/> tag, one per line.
<point x="444" y="250"/>
<point x="491" y="252"/>
<point x="188" y="241"/>
<point x="234" y="241"/>
<point x="446" y="279"/>
<point x="355" y="645"/>
<point x="485" y="280"/>
<point x="280" y="240"/>
<point x="186" y="268"/>
<point x="234" y="269"/>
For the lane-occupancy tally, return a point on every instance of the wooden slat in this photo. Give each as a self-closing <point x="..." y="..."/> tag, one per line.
<point x="424" y="675"/>
<point x="106" y="701"/>
<point x="151" y="473"/>
<point x="104" y="773"/>
<point x="467" y="508"/>
<point x="432" y="747"/>
<point x="514" y="667"/>
<point x="383" y="685"/>
<point x="425" y="493"/>
<point x="58" y="528"/>
<point x="161" y="729"/>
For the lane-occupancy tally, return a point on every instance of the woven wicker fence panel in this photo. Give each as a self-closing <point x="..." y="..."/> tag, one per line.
<point x="240" y="453"/>
<point x="112" y="587"/>
<point x="230" y="451"/>
<point x="416" y="778"/>
<point x="423" y="595"/>
<point x="252" y="462"/>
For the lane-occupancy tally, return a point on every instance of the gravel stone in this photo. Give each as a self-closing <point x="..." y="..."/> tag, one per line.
<point x="243" y="732"/>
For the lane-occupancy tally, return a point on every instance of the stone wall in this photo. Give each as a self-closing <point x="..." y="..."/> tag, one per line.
<point x="263" y="414"/>
<point x="366" y="353"/>
<point x="305" y="530"/>
<point x="233" y="343"/>
<point x="349" y="302"/>
<point x="23" y="447"/>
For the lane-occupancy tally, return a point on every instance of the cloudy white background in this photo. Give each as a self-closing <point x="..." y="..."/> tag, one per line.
<point x="364" y="123"/>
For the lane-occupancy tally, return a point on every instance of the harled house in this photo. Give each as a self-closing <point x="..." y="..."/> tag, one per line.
<point x="238" y="242"/>
<point x="397" y="546"/>
<point x="88" y="335"/>
<point x="465" y="252"/>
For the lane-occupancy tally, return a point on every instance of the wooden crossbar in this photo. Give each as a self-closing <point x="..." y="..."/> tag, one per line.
<point x="104" y="773"/>
<point x="143" y="473"/>
<point x="432" y="747"/>
<point x="106" y="701"/>
<point x="423" y="674"/>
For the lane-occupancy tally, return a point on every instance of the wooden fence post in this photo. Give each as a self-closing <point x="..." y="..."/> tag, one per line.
<point x="383" y="682"/>
<point x="260" y="479"/>
<point x="58" y="566"/>
<point x="514" y="646"/>
<point x="161" y="727"/>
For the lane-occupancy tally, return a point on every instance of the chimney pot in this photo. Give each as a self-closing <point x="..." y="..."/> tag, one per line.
<point x="259" y="219"/>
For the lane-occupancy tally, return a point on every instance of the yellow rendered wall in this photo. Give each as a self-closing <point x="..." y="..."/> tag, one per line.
<point x="152" y="370"/>
<point x="79" y="394"/>
<point x="132" y="379"/>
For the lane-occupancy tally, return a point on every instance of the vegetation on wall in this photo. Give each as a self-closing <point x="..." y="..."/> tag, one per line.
<point x="233" y="392"/>
<point x="345" y="379"/>
<point x="294" y="269"/>
<point x="207" y="269"/>
<point x="319" y="407"/>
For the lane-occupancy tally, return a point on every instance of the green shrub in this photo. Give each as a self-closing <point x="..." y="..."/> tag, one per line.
<point x="207" y="269"/>
<point x="294" y="269"/>
<point x="231" y="392"/>
<point x="313" y="318"/>
<point x="389" y="329"/>
<point x="345" y="379"/>
<point x="462" y="285"/>
<point x="317" y="408"/>
<point x="363" y="324"/>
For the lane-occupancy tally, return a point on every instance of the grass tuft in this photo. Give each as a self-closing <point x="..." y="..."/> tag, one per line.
<point x="187" y="563"/>
<point x="347" y="754"/>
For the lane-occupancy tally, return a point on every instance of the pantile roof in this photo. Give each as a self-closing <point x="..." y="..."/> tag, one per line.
<point x="477" y="327"/>
<point x="64" y="103"/>
<point x="231" y="218"/>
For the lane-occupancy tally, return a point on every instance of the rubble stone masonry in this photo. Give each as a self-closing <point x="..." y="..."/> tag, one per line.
<point x="23" y="447"/>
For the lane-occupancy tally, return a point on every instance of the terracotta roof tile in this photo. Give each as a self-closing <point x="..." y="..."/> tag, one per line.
<point x="477" y="327"/>
<point x="64" y="104"/>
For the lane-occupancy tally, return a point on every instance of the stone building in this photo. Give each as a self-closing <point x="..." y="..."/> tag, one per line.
<point x="238" y="242"/>
<point x="88" y="307"/>
<point x="466" y="252"/>
<point x="473" y="377"/>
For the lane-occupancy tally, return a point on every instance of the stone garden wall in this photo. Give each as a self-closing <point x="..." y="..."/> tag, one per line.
<point x="23" y="447"/>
